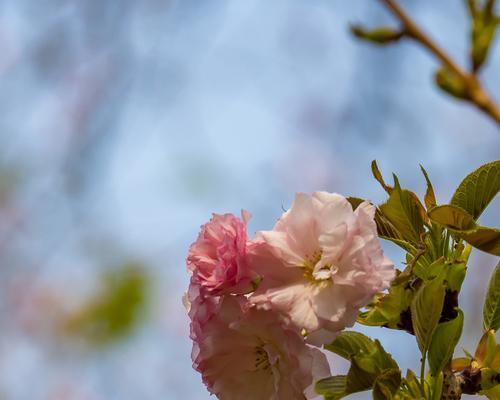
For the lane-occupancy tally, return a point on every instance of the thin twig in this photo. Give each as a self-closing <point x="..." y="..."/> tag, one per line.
<point x="476" y="94"/>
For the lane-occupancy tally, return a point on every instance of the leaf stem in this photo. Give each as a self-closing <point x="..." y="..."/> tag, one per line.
<point x="476" y="94"/>
<point x="422" y="370"/>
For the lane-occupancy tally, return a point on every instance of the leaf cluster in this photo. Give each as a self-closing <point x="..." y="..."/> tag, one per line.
<point x="423" y="299"/>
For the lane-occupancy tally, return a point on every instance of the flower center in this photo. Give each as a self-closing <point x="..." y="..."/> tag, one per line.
<point x="261" y="359"/>
<point x="312" y="259"/>
<point x="309" y="268"/>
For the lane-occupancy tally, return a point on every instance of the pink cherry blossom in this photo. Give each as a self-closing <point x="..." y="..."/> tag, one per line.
<point x="218" y="258"/>
<point x="246" y="354"/>
<point x="320" y="264"/>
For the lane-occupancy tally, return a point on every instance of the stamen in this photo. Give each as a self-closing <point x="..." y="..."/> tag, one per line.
<point x="261" y="359"/>
<point x="310" y="264"/>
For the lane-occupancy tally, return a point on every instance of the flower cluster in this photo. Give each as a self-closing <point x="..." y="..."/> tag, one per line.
<point x="259" y="306"/>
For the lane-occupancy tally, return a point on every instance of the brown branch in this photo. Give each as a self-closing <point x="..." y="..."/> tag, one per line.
<point x="475" y="93"/>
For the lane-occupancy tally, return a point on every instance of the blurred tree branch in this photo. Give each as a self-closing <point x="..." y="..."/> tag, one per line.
<point x="451" y="77"/>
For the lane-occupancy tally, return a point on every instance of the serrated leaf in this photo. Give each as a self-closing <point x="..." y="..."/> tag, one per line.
<point x="349" y="344"/>
<point x="387" y="384"/>
<point x="443" y="342"/>
<point x="386" y="230"/>
<point x="460" y="223"/>
<point x="332" y="388"/>
<point x="491" y="308"/>
<point x="405" y="212"/>
<point x="430" y="197"/>
<point x="426" y="310"/>
<point x="477" y="190"/>
<point x="483" y="238"/>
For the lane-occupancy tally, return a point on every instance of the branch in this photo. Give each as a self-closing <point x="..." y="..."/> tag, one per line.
<point x="474" y="92"/>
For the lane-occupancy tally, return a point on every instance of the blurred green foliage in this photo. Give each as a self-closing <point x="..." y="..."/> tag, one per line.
<point x="114" y="311"/>
<point x="381" y="35"/>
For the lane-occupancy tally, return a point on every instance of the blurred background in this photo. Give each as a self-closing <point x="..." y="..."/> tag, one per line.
<point x="124" y="124"/>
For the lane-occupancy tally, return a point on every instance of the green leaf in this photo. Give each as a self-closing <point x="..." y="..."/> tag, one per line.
<point x="478" y="189"/>
<point x="462" y="224"/>
<point x="456" y="275"/>
<point x="405" y="212"/>
<point x="385" y="229"/>
<point x="387" y="384"/>
<point x="492" y="394"/>
<point x="490" y="386"/>
<point x="443" y="342"/>
<point x="460" y="363"/>
<point x="454" y="272"/>
<point x="332" y="388"/>
<point x="437" y="386"/>
<point x="426" y="310"/>
<point x="382" y="35"/>
<point x="467" y="353"/>
<point x="452" y="217"/>
<point x="410" y="388"/>
<point x="430" y="272"/>
<point x="361" y="375"/>
<point x="437" y="242"/>
<point x="491" y="308"/>
<point x="430" y="197"/>
<point x="383" y="359"/>
<point x="368" y="360"/>
<point x="354" y="201"/>
<point x="349" y="344"/>
<point x="486" y="350"/>
<point x="483" y="238"/>
<point x="366" y="368"/>
<point x="406" y="246"/>
<point x="386" y="310"/>
<point x="379" y="178"/>
<point x="495" y="360"/>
